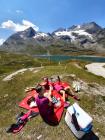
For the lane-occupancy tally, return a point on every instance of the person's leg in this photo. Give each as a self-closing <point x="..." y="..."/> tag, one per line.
<point x="69" y="91"/>
<point x="63" y="94"/>
<point x="26" y="115"/>
<point x="72" y="94"/>
<point x="66" y="103"/>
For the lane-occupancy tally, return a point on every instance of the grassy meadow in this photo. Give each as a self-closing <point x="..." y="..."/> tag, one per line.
<point x="12" y="92"/>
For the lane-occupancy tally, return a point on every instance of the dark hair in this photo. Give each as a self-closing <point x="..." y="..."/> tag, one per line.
<point x="39" y="88"/>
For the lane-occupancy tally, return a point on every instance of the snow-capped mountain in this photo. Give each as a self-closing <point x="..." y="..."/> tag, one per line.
<point x="73" y="34"/>
<point x="86" y="36"/>
<point x="28" y="33"/>
<point x="87" y="30"/>
<point x="40" y="34"/>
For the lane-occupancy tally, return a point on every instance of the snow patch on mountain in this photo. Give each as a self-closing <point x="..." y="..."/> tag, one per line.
<point x="22" y="36"/>
<point x="71" y="35"/>
<point x="78" y="26"/>
<point x="66" y="33"/>
<point x="2" y="41"/>
<point x="83" y="32"/>
<point x="40" y="35"/>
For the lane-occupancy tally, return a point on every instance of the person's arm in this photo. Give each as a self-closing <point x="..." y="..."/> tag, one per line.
<point x="70" y="90"/>
<point x="49" y="97"/>
<point x="50" y="104"/>
<point x="50" y="90"/>
<point x="49" y="101"/>
<point x="48" y="93"/>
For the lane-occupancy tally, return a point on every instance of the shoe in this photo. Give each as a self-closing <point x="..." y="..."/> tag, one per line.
<point x="66" y="104"/>
<point x="76" y="98"/>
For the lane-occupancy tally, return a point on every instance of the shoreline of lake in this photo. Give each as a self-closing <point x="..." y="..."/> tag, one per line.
<point x="66" y="57"/>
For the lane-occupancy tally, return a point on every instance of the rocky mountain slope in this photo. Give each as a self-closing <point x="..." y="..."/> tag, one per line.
<point x="85" y="37"/>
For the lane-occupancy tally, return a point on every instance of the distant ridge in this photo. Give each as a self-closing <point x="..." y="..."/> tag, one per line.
<point x="88" y="36"/>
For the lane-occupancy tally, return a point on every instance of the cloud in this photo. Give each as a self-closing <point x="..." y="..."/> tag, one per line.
<point x="1" y="41"/>
<point x="19" y="11"/>
<point x="17" y="26"/>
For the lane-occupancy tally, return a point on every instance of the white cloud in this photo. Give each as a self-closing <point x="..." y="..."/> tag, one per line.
<point x="17" y="26"/>
<point x="19" y="11"/>
<point x="1" y="41"/>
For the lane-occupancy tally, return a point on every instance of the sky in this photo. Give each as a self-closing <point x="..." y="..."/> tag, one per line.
<point x="48" y="15"/>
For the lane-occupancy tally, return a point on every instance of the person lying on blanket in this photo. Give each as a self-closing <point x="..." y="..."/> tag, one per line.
<point x="65" y="90"/>
<point x="61" y="87"/>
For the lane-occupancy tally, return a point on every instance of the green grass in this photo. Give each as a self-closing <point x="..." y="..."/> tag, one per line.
<point x="14" y="92"/>
<point x="11" y="62"/>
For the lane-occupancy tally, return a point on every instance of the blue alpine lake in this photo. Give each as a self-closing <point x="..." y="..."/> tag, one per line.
<point x="64" y="57"/>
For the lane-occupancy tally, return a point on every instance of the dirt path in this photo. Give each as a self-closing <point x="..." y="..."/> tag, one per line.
<point x="34" y="70"/>
<point x="96" y="68"/>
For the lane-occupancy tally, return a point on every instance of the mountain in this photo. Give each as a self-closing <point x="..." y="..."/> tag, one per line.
<point x="87" y="30"/>
<point x="85" y="37"/>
